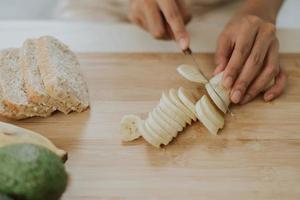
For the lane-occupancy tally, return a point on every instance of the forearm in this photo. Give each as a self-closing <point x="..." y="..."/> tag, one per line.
<point x="265" y="9"/>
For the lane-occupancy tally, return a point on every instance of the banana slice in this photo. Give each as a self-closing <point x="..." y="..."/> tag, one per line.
<point x="172" y="122"/>
<point x="174" y="98"/>
<point x="211" y="112"/>
<point x="223" y="92"/>
<point x="147" y="136"/>
<point x="223" y="102"/>
<point x="202" y="116"/>
<point x="157" y="129"/>
<point x="163" y="124"/>
<point x="216" y="99"/>
<point x="187" y="99"/>
<point x="10" y="134"/>
<point x="166" y="99"/>
<point x="130" y="127"/>
<point x="156" y="137"/>
<point x="171" y="114"/>
<point x="191" y="73"/>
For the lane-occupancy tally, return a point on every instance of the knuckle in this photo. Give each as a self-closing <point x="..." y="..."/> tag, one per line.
<point x="272" y="70"/>
<point x="256" y="59"/>
<point x="158" y="33"/>
<point x="243" y="50"/>
<point x="242" y="85"/>
<point x="252" y="19"/>
<point x="269" y="29"/>
<point x="173" y="15"/>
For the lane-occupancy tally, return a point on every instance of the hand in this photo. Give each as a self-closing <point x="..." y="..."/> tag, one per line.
<point x="248" y="53"/>
<point x="164" y="19"/>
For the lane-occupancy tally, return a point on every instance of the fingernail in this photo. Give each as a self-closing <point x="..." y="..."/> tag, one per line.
<point x="182" y="43"/>
<point x="269" y="97"/>
<point x="246" y="99"/>
<point x="228" y="82"/>
<point x="236" y="96"/>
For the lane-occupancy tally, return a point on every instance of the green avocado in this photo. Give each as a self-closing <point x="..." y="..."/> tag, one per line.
<point x="31" y="172"/>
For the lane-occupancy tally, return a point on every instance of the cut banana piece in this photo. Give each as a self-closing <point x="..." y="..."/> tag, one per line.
<point x="223" y="102"/>
<point x="130" y="127"/>
<point x="156" y="137"/>
<point x="10" y="134"/>
<point x="147" y="136"/>
<point x="172" y="122"/>
<point x="163" y="124"/>
<point x="187" y="99"/>
<point x="202" y="116"/>
<point x="171" y="114"/>
<point x="191" y="73"/>
<point x="211" y="112"/>
<point x="157" y="129"/>
<point x="174" y="98"/>
<point x="167" y="100"/>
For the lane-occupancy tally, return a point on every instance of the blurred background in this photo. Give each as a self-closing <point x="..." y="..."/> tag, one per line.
<point x="115" y="10"/>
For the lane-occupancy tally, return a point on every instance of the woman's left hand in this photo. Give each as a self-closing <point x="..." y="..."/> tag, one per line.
<point x="248" y="53"/>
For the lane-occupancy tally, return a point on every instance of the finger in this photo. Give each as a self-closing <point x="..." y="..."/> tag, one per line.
<point x="154" y="20"/>
<point x="242" y="48"/>
<point x="174" y="19"/>
<point x="139" y="20"/>
<point x="223" y="53"/>
<point x="270" y="71"/>
<point x="278" y="87"/>
<point x="184" y="11"/>
<point x="253" y="63"/>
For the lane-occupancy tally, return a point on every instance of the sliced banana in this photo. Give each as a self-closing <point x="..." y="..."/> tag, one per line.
<point x="171" y="114"/>
<point x="222" y="91"/>
<point x="216" y="99"/>
<point x="166" y="99"/>
<point x="157" y="129"/>
<point x="188" y="99"/>
<point x="158" y="138"/>
<point x="172" y="122"/>
<point x="175" y="99"/>
<point x="191" y="73"/>
<point x="202" y="116"/>
<point x="163" y="124"/>
<point x="211" y="112"/>
<point x="147" y="136"/>
<point x="10" y="134"/>
<point x="130" y="127"/>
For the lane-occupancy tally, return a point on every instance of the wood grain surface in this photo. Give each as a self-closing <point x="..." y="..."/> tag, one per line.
<point x="256" y="155"/>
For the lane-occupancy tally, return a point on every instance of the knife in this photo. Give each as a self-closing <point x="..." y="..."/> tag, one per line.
<point x="189" y="52"/>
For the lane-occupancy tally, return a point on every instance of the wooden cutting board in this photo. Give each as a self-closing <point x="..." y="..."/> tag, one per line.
<point x="256" y="155"/>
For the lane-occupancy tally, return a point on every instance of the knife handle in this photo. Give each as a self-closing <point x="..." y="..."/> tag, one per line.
<point x="187" y="51"/>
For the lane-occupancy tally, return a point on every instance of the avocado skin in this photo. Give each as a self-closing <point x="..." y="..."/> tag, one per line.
<point x="31" y="172"/>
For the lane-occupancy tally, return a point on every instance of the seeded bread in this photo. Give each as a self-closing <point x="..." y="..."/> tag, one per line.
<point x="14" y="97"/>
<point x="34" y="85"/>
<point x="61" y="75"/>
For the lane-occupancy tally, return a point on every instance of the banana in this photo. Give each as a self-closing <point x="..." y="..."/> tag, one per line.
<point x="157" y="129"/>
<point x="191" y="73"/>
<point x="10" y="134"/>
<point x="156" y="137"/>
<point x="163" y="124"/>
<point x="202" y="116"/>
<point x="187" y="99"/>
<point x="171" y="114"/>
<point x="130" y="127"/>
<point x="211" y="112"/>
<point x="222" y="92"/>
<point x="147" y="136"/>
<point x="172" y="106"/>
<point x="172" y="122"/>
<point x="175" y="99"/>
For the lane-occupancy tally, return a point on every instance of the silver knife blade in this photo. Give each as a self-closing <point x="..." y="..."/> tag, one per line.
<point x="189" y="52"/>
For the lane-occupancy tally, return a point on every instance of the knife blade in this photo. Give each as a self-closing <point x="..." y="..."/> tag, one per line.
<point x="189" y="52"/>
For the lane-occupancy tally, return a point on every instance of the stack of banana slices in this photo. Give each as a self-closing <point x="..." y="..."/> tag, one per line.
<point x="179" y="108"/>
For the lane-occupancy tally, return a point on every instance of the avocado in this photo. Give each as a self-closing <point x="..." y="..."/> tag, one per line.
<point x="31" y="172"/>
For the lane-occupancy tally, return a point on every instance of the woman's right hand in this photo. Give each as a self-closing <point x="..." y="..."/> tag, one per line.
<point x="164" y="19"/>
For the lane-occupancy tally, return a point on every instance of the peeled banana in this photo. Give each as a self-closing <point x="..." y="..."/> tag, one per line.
<point x="10" y="134"/>
<point x="178" y="108"/>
